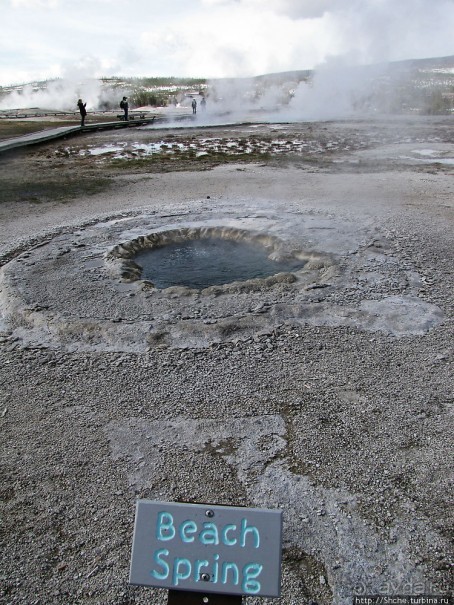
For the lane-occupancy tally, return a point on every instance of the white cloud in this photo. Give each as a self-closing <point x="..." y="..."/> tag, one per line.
<point x="219" y="2"/>
<point x="380" y="30"/>
<point x="296" y="9"/>
<point x="35" y="3"/>
<point x="215" y="37"/>
<point x="239" y="41"/>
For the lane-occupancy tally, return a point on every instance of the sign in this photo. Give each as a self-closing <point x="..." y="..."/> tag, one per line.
<point x="206" y="548"/>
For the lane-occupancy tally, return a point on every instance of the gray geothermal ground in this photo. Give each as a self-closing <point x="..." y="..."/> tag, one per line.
<point x="328" y="396"/>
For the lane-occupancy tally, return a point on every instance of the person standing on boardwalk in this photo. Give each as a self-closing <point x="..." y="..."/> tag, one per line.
<point x="194" y="106"/>
<point x="124" y="105"/>
<point x="83" y="112"/>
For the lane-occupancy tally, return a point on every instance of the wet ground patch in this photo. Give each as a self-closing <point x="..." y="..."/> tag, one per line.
<point x="263" y="144"/>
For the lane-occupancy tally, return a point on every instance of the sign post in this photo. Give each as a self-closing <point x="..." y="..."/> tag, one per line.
<point x="207" y="554"/>
<point x="178" y="597"/>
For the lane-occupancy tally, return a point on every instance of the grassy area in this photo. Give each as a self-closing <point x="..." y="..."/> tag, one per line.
<point x="37" y="191"/>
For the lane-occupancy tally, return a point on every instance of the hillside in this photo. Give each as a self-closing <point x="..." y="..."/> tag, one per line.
<point x="414" y="86"/>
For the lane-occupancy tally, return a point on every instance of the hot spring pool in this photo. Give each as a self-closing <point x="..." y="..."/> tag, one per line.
<point x="208" y="262"/>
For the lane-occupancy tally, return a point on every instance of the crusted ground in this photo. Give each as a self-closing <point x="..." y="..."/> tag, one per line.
<point x="344" y="422"/>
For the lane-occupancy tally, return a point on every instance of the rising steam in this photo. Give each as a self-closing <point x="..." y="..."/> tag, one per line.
<point x="62" y="95"/>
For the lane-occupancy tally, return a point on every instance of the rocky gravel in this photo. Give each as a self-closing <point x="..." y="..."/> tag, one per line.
<point x="345" y="427"/>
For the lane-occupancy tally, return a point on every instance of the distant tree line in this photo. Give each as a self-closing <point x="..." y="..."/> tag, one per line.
<point x="155" y="92"/>
<point x="166" y="81"/>
<point x="439" y="102"/>
<point x="139" y="98"/>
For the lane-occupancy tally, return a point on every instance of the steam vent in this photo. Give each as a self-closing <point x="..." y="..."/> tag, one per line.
<point x="113" y="288"/>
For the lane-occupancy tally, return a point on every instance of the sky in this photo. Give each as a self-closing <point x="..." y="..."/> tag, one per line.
<point x="44" y="39"/>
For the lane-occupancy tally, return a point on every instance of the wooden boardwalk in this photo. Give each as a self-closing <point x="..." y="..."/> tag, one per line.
<point x="50" y="134"/>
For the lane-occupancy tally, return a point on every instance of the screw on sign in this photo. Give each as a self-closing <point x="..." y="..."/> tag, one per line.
<point x="207" y="554"/>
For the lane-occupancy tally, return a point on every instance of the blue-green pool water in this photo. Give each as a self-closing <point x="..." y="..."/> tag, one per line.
<point x="209" y="262"/>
